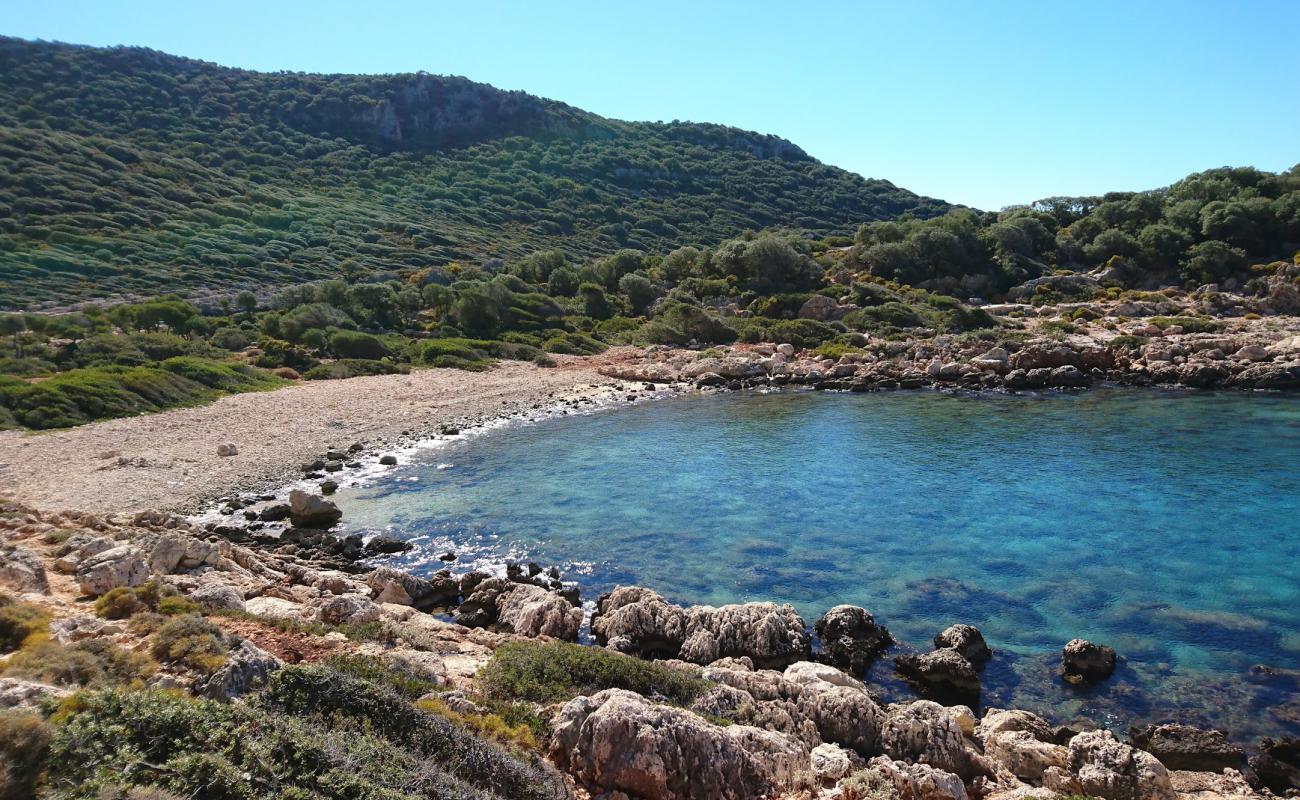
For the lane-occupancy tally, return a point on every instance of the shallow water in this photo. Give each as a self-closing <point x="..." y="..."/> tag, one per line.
<point x="1164" y="524"/>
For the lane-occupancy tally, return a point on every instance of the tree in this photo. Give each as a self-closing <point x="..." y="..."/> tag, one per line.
<point x="1213" y="261"/>
<point x="246" y="302"/>
<point x="594" y="302"/>
<point x="563" y="283"/>
<point x="14" y="325"/>
<point x="639" y="290"/>
<point x="476" y="313"/>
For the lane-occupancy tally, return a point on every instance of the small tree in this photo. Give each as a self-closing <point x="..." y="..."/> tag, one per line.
<point x="246" y="302"/>
<point x="639" y="290"/>
<point x="594" y="302"/>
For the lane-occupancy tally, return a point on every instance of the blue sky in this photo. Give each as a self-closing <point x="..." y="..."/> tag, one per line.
<point x="986" y="104"/>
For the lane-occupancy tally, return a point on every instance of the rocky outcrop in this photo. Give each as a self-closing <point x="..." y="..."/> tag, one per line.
<point x="121" y="566"/>
<point x="1083" y="662"/>
<point x="925" y="732"/>
<point x="967" y="640"/>
<point x="943" y="675"/>
<point x="1025" y="755"/>
<point x="348" y="609"/>
<point x="617" y="741"/>
<point x="219" y="596"/>
<point x="175" y="552"/>
<point x="21" y="571"/>
<point x="632" y="619"/>
<point x="16" y="693"/>
<point x="851" y="638"/>
<point x="1184" y="747"/>
<point x="388" y="585"/>
<point x="247" y="669"/>
<point x="918" y="781"/>
<point x="530" y="610"/>
<point x="312" y="511"/>
<point x="1278" y="764"/>
<point x="1110" y="769"/>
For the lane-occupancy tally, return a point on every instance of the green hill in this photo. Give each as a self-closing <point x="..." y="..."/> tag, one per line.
<point x="128" y="171"/>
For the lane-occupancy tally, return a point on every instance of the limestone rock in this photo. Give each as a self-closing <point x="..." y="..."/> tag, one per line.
<point x="1025" y="756"/>
<point x="851" y="638"/>
<point x="246" y="669"/>
<point x="770" y="634"/>
<point x="15" y="693"/>
<point x="967" y="640"/>
<point x="810" y="672"/>
<point x="830" y="762"/>
<point x="918" y="781"/>
<point x="116" y="567"/>
<point x="1110" y="769"/>
<point x="928" y="733"/>
<point x="1184" y="747"/>
<point x="219" y="596"/>
<point x="227" y="450"/>
<point x="1228" y="785"/>
<point x="533" y="611"/>
<point x="999" y="721"/>
<point x="617" y="741"/>
<point x="312" y="511"/>
<point x="348" y="609"/>
<point x="1085" y="662"/>
<point x="175" y="552"/>
<point x="78" y="548"/>
<point x="389" y="585"/>
<point x="943" y="675"/>
<point x="652" y="626"/>
<point x="21" y="571"/>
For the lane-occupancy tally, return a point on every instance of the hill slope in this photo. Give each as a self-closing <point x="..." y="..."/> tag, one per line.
<point x="126" y="170"/>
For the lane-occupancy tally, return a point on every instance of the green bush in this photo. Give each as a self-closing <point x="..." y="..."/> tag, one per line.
<point x="352" y="368"/>
<point x="190" y="641"/>
<point x="1189" y="324"/>
<point x="352" y="344"/>
<point x="95" y="663"/>
<point x="20" y="623"/>
<point x="24" y="747"/>
<point x="153" y="595"/>
<point x="558" y="671"/>
<point x="392" y="675"/>
<point x="573" y="344"/>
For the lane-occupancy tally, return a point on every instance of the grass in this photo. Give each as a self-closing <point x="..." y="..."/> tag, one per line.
<point x="93" y="663"/>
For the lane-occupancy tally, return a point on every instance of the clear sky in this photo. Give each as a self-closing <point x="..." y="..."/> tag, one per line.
<point x="986" y="104"/>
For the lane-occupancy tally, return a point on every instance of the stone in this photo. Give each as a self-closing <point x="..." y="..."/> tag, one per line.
<point x="617" y="741"/>
<point x="385" y="544"/>
<point x="277" y="512"/>
<point x="1025" y="756"/>
<point x="1278" y="764"/>
<point x="16" y="693"/>
<point x="851" y="638"/>
<point x="1000" y="721"/>
<point x="227" y="450"/>
<point x="533" y="611"/>
<point x="219" y="596"/>
<point x="78" y="548"/>
<point x="388" y="461"/>
<point x="1107" y="768"/>
<point x="770" y="634"/>
<point x="329" y="487"/>
<point x="312" y="511"/>
<point x="276" y="608"/>
<point x="1228" y="785"/>
<point x="943" y="675"/>
<point x="916" y="781"/>
<point x="21" y="571"/>
<point x="247" y="669"/>
<point x="480" y="607"/>
<point x="1083" y="662"/>
<point x="830" y="762"/>
<point x="650" y="625"/>
<point x="121" y="566"/>
<point x="348" y="609"/>
<point x="389" y="585"/>
<point x="926" y="732"/>
<point x="1184" y="747"/>
<point x="175" y="552"/>
<point x="809" y="672"/>
<point x="967" y="640"/>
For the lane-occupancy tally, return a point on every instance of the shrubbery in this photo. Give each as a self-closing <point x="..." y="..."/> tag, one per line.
<point x="192" y="642"/>
<point x="20" y="623"/>
<point x="94" y="663"/>
<point x="558" y="671"/>
<point x="24" y="747"/>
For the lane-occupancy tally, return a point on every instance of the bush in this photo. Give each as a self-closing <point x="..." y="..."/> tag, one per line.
<point x="490" y="725"/>
<point x="95" y="663"/>
<point x="1189" y="324"/>
<point x="190" y="641"/>
<point x="573" y="344"/>
<point x="352" y="368"/>
<point x="24" y="746"/>
<point x="153" y="595"/>
<point x="20" y="623"/>
<point x="392" y="675"/>
<point x="801" y="333"/>
<point x="558" y="671"/>
<point x="351" y="344"/>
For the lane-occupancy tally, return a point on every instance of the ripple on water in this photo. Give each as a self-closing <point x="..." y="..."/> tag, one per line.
<point x="1166" y="524"/>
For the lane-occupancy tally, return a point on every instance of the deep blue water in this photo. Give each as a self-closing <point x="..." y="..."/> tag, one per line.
<point x="1164" y="524"/>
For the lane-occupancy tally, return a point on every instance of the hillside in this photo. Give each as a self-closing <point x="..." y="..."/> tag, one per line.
<point x="124" y="170"/>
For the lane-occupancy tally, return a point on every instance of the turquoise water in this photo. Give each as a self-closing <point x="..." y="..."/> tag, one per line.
<point x="1164" y="524"/>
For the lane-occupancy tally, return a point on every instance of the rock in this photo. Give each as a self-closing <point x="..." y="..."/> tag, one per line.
<point x="78" y="548"/>
<point x="1278" y="764"/>
<point x="808" y="673"/>
<point x="276" y="608"/>
<point x="1068" y="376"/>
<point x="851" y="638"/>
<point x="16" y="693"/>
<point x="388" y="461"/>
<point x="312" y="511"/>
<point x="247" y="669"/>
<point x="830" y="762"/>
<point x="384" y="544"/>
<point x="967" y="640"/>
<point x="928" y="733"/>
<point x="943" y="675"/>
<point x="175" y="552"/>
<point x="1184" y="747"/>
<point x="533" y="611"/>
<point x="1110" y="769"/>
<point x="480" y="607"/>
<point x="999" y="721"/>
<point x="1228" y="785"/>
<point x="1253" y="353"/>
<point x="995" y="359"/>
<point x="21" y="571"/>
<point x="219" y="596"/>
<point x="650" y="625"/>
<point x="418" y="663"/>
<point x="227" y="450"/>
<point x="329" y="487"/>
<point x="277" y="512"/>
<point x="447" y="556"/>
<point x="1024" y="755"/>
<point x="786" y="350"/>
<point x="913" y="781"/>
<point x="770" y="634"/>
<point x="1083" y="662"/>
<point x="348" y="609"/>
<point x="617" y="741"/>
<point x="823" y="309"/>
<point x="389" y="585"/>
<point x="116" y="567"/>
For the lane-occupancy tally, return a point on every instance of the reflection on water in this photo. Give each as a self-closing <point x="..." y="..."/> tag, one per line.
<point x="1167" y="525"/>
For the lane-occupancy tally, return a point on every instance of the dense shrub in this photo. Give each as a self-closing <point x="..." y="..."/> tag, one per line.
<point x="20" y="623"/>
<point x="24" y="746"/>
<point x="190" y="641"/>
<point x="95" y="663"/>
<point x="352" y="368"/>
<point x="153" y="595"/>
<point x="557" y="671"/>
<point x="351" y="344"/>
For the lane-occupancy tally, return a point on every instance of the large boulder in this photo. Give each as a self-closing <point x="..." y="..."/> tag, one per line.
<point x="175" y="552"/>
<point x="480" y="607"/>
<point x="388" y="585"/>
<point x="997" y="720"/>
<point x="773" y="636"/>
<point x="913" y="781"/>
<point x="21" y="571"/>
<point x="642" y="620"/>
<point x="851" y="638"/>
<point x="247" y="669"/>
<point x="533" y="611"/>
<point x="1278" y="763"/>
<point x="1083" y="662"/>
<point x="927" y="733"/>
<point x="308" y="510"/>
<point x="348" y="609"/>
<point x="617" y="741"/>
<point x="1024" y="755"/>
<point x="1107" y="768"/>
<point x="943" y="675"/>
<point x="78" y="548"/>
<point x="219" y="596"/>
<point x="967" y="640"/>
<point x="121" y="566"/>
<point x="1188" y="748"/>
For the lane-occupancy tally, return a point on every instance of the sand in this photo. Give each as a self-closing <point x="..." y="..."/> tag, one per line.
<point x="168" y="461"/>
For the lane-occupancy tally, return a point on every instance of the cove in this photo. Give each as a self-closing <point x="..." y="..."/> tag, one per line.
<point x="1164" y="524"/>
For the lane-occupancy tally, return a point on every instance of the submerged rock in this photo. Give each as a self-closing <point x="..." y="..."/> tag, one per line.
<point x="943" y="675"/>
<point x="1084" y="662"/>
<point x="851" y="638"/>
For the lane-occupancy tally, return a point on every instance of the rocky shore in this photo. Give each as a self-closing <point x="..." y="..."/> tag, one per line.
<point x="776" y="707"/>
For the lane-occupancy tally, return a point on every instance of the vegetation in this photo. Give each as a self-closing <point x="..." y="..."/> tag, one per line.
<point x="92" y="663"/>
<point x="21" y="623"/>
<point x="124" y="169"/>
<point x="190" y="641"/>
<point x="558" y="671"/>
<point x="154" y="595"/>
